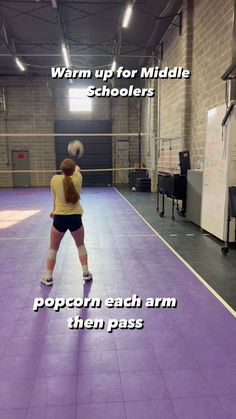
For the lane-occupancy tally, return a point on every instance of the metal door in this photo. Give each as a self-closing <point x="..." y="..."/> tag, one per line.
<point x="20" y="161"/>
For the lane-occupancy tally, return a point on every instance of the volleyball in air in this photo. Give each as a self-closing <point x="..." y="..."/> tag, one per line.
<point x="76" y="149"/>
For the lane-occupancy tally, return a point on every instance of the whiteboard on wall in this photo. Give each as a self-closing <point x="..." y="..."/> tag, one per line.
<point x="219" y="172"/>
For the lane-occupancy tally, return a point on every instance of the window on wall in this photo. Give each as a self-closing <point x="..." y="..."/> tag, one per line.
<point x="78" y="101"/>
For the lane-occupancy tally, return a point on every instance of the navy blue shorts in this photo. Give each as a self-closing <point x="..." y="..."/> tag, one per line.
<point x="63" y="223"/>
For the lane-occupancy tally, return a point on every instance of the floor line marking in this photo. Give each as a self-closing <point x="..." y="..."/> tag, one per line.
<point x="24" y="238"/>
<point x="219" y="298"/>
<point x="133" y="235"/>
<point x="47" y="237"/>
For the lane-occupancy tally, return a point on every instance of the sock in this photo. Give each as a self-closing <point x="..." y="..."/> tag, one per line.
<point x="85" y="269"/>
<point x="83" y="258"/>
<point x="49" y="274"/>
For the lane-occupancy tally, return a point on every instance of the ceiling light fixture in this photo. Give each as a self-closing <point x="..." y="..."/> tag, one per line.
<point x="127" y="15"/>
<point x="5" y="34"/>
<point x="65" y="55"/>
<point x="113" y="67"/>
<point x="54" y="4"/>
<point x="20" y="64"/>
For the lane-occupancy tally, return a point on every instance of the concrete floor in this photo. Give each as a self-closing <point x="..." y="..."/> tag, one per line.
<point x="201" y="251"/>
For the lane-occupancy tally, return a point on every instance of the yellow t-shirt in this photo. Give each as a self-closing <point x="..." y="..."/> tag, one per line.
<point x="60" y="205"/>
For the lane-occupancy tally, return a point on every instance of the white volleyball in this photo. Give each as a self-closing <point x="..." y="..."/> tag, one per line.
<point x="76" y="149"/>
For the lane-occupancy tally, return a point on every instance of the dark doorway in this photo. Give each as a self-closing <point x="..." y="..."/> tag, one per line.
<point x="97" y="150"/>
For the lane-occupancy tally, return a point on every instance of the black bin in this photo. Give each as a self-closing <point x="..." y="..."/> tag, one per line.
<point x="135" y="174"/>
<point x="143" y="184"/>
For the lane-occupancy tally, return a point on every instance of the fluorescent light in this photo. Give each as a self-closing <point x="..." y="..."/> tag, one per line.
<point x="127" y="15"/>
<point x="19" y="63"/>
<point x="113" y="67"/>
<point x="65" y="55"/>
<point x="5" y="34"/>
<point x="54" y="4"/>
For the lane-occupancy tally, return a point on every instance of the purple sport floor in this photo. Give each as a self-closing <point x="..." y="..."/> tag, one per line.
<point x="182" y="365"/>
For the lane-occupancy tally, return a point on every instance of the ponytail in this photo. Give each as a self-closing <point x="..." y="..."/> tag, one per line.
<point x="71" y="194"/>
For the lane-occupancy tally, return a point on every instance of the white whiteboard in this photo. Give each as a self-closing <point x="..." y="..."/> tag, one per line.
<point x="219" y="172"/>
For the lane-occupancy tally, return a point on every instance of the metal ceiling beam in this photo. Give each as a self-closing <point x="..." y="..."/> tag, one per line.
<point x="70" y="41"/>
<point x="39" y="7"/>
<point x="48" y="2"/>
<point x="2" y="40"/>
<point x="9" y="46"/>
<point x="37" y="44"/>
<point x="138" y="45"/>
<point x="28" y="13"/>
<point x="127" y="55"/>
<point x="87" y="46"/>
<point x="5" y="33"/>
<point x="84" y="46"/>
<point x="8" y="42"/>
<point x="172" y="16"/>
<point x="166" y="12"/>
<point x="92" y="45"/>
<point x="22" y="42"/>
<point x="61" y="31"/>
<point x="87" y="14"/>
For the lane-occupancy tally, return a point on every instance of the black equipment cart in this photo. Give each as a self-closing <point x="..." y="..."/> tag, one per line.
<point x="173" y="186"/>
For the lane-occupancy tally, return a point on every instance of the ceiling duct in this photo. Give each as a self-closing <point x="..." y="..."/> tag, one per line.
<point x="165" y="12"/>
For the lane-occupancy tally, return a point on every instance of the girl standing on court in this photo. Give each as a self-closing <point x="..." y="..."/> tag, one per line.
<point x="66" y="214"/>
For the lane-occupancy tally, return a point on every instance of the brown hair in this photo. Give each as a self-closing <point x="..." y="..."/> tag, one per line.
<point x="71" y="195"/>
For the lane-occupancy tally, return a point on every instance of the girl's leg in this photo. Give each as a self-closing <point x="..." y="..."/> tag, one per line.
<point x="55" y="240"/>
<point x="78" y="236"/>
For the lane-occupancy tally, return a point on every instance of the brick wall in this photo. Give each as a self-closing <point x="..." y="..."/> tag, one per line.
<point x="29" y="110"/>
<point x="33" y="108"/>
<point x="168" y="113"/>
<point x="149" y="128"/>
<point x="181" y="106"/>
<point x="125" y="148"/>
<point x="212" y="47"/>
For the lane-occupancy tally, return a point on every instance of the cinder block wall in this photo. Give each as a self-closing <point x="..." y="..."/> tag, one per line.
<point x="33" y="107"/>
<point x="212" y="48"/>
<point x="167" y="114"/>
<point x="180" y="106"/>
<point x="125" y="119"/>
<point x="29" y="110"/>
<point x="175" y="95"/>
<point x="149" y="129"/>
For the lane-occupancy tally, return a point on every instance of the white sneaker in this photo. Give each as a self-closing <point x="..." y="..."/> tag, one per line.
<point x="46" y="280"/>
<point x="87" y="276"/>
